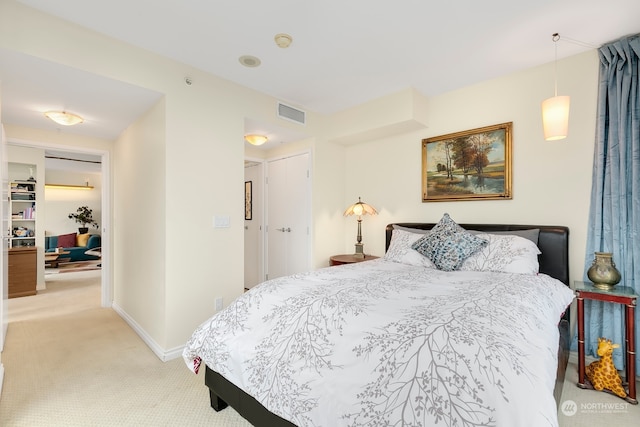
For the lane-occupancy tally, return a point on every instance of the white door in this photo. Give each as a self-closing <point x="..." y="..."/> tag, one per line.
<point x="253" y="236"/>
<point x="288" y="216"/>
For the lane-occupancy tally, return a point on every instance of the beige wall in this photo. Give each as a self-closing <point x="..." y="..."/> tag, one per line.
<point x="182" y="164"/>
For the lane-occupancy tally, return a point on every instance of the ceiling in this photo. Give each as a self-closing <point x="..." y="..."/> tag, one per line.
<point x="344" y="52"/>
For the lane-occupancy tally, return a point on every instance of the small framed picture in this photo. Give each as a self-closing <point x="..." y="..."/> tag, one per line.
<point x="247" y="200"/>
<point x="469" y="165"/>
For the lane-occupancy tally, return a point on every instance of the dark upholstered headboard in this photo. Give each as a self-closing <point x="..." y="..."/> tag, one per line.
<point x="553" y="242"/>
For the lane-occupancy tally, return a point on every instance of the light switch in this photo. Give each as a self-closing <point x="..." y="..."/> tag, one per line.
<point x="221" y="221"/>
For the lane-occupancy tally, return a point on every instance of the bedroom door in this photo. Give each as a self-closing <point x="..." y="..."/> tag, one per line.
<point x="288" y="216"/>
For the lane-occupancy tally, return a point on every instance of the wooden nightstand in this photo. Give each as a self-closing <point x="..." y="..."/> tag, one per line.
<point x="349" y="259"/>
<point x="621" y="295"/>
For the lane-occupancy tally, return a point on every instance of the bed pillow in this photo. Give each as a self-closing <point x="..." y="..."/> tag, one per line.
<point x="400" y="249"/>
<point x="531" y="234"/>
<point x="410" y="230"/>
<point x="67" y="240"/>
<point x="504" y="253"/>
<point x="448" y="244"/>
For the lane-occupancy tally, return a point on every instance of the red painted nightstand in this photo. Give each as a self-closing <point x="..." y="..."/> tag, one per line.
<point x="620" y="295"/>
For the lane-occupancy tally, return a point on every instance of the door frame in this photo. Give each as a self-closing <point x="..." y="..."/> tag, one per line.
<point x="260" y="215"/>
<point x="106" y="285"/>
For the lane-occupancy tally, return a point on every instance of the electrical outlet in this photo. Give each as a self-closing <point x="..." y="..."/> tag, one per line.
<point x="219" y="302"/>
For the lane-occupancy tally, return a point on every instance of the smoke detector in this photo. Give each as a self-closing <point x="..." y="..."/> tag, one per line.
<point x="283" y="40"/>
<point x="249" y="61"/>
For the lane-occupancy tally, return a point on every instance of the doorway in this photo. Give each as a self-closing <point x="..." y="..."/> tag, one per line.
<point x="103" y="158"/>
<point x="253" y="223"/>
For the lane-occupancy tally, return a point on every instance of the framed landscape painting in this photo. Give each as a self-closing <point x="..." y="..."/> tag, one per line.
<point x="470" y="165"/>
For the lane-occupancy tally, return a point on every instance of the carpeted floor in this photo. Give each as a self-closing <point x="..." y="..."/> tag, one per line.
<point x="69" y="362"/>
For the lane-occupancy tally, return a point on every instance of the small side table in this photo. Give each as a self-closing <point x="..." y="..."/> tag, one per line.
<point x="349" y="259"/>
<point x="620" y="295"/>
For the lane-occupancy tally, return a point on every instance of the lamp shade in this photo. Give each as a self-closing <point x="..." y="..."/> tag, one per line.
<point x="255" y="139"/>
<point x="555" y="117"/>
<point x="64" y="118"/>
<point x="360" y="208"/>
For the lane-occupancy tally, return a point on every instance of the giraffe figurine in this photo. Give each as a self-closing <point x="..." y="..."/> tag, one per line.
<point x="602" y="373"/>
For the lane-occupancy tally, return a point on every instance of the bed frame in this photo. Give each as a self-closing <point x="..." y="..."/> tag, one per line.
<point x="553" y="242"/>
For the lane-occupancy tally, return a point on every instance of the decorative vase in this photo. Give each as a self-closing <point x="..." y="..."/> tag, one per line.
<point x="603" y="272"/>
<point x="83" y="230"/>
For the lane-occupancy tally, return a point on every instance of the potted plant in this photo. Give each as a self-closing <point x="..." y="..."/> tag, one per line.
<point x="84" y="216"/>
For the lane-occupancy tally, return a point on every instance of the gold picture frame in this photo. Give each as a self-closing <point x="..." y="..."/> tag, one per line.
<point x="469" y="165"/>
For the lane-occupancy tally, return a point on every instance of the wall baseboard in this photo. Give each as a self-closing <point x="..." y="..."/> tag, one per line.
<point x="162" y="354"/>
<point x="1" y="378"/>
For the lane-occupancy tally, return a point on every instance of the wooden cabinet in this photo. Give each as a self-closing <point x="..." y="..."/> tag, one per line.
<point x="22" y="271"/>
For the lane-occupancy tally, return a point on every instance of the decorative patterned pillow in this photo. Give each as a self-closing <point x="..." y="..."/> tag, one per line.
<point x="400" y="249"/>
<point x="504" y="253"/>
<point x="448" y="244"/>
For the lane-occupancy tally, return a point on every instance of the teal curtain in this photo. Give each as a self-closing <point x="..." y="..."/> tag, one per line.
<point x="614" y="216"/>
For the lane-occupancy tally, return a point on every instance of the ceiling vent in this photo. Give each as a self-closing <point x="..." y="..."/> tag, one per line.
<point x="287" y="112"/>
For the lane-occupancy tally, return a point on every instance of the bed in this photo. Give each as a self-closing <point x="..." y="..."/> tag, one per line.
<point x="370" y="343"/>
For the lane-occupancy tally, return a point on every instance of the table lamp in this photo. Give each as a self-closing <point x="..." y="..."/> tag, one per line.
<point x="360" y="208"/>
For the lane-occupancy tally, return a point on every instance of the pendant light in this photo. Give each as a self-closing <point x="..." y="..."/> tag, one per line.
<point x="555" y="110"/>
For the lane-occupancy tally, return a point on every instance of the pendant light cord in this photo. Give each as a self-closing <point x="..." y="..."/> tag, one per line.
<point x="555" y="37"/>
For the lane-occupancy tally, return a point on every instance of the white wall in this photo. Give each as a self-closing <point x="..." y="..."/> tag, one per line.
<point x="139" y="225"/>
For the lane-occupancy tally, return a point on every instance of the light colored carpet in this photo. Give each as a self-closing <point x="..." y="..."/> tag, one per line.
<point x="69" y="362"/>
<point x="83" y="366"/>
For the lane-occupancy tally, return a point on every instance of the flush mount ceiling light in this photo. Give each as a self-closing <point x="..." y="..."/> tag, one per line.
<point x="555" y="110"/>
<point x="283" y="40"/>
<point x="249" y="61"/>
<point x="64" y="118"/>
<point x="255" y="139"/>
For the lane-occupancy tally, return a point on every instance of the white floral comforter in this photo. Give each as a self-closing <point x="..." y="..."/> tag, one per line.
<point x="386" y="344"/>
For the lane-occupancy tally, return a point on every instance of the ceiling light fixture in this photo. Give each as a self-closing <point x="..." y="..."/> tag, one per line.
<point x="64" y="118"/>
<point x="283" y="40"/>
<point x="555" y="110"/>
<point x="255" y="139"/>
